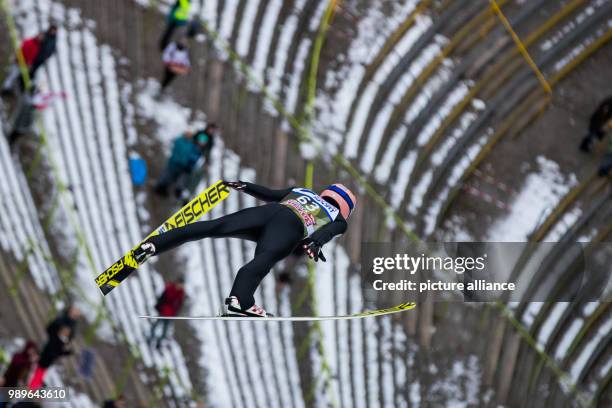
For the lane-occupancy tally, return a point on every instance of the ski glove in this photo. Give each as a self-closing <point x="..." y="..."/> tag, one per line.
<point x="313" y="250"/>
<point x="236" y="185"/>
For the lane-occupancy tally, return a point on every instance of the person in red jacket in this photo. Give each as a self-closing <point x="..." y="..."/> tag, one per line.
<point x="16" y="374"/>
<point x="168" y="305"/>
<point x="36" y="51"/>
<point x="30" y="48"/>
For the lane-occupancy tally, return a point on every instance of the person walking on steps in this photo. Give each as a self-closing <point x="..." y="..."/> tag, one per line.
<point x="291" y="218"/>
<point x="168" y="304"/>
<point x="176" y="61"/>
<point x="61" y="331"/>
<point x="177" y="17"/>
<point x="57" y="346"/>
<point x="186" y="152"/>
<point x="18" y="370"/>
<point x="205" y="139"/>
<point x="36" y="51"/>
<point x="68" y="317"/>
<point x="47" y="49"/>
<point x="30" y="49"/>
<point x="597" y="125"/>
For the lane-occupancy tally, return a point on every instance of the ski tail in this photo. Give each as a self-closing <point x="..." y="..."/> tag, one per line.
<point x="191" y="212"/>
<point x="116" y="273"/>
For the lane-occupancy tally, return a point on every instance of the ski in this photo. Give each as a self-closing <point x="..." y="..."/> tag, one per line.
<point x="371" y="313"/>
<point x="191" y="212"/>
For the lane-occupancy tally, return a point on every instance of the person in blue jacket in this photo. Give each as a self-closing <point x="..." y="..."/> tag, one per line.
<point x="186" y="151"/>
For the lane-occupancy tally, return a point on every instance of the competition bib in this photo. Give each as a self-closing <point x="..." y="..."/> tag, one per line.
<point x="314" y="212"/>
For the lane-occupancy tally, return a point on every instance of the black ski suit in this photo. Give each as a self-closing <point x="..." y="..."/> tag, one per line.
<point x="275" y="228"/>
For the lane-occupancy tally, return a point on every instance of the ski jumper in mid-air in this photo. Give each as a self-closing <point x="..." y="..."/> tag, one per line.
<point x="291" y="217"/>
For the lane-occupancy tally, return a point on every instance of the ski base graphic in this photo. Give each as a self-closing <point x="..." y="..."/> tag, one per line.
<point x="191" y="212"/>
<point x="372" y="313"/>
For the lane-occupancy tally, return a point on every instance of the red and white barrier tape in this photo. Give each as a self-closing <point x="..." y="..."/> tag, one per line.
<point x="486" y="197"/>
<point x="489" y="179"/>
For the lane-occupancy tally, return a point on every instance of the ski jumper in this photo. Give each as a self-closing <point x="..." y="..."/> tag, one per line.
<point x="278" y="227"/>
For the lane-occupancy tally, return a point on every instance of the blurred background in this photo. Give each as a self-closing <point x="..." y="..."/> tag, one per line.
<point x="453" y="120"/>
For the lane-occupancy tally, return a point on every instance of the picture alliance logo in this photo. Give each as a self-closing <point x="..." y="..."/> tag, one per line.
<point x="482" y="272"/>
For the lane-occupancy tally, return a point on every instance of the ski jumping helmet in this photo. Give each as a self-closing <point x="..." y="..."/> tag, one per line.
<point x="343" y="197"/>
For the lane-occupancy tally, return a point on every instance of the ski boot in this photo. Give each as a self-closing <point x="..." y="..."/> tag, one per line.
<point x="232" y="308"/>
<point x="144" y="252"/>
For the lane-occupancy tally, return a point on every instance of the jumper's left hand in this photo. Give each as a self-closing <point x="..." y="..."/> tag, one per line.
<point x="313" y="250"/>
<point x="236" y="185"/>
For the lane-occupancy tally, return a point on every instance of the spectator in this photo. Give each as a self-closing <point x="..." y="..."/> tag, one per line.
<point x="16" y="374"/>
<point x="29" y="49"/>
<point x="168" y="305"/>
<point x="47" y="49"/>
<point x="36" y="51"/>
<point x="176" y="61"/>
<point x="118" y="402"/>
<point x="177" y="17"/>
<point x="205" y="139"/>
<point x="57" y="346"/>
<point x="186" y="151"/>
<point x="69" y="317"/>
<point x="597" y="125"/>
<point x="30" y="102"/>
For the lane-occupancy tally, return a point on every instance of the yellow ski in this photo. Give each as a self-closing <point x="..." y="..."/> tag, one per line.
<point x="194" y="210"/>
<point x="403" y="307"/>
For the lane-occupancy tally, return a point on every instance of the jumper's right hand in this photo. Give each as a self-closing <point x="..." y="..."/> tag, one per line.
<point x="236" y="185"/>
<point x="313" y="250"/>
